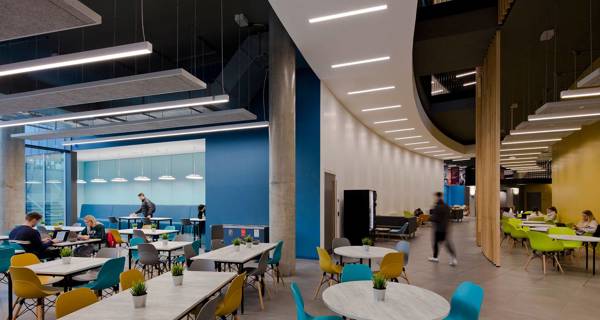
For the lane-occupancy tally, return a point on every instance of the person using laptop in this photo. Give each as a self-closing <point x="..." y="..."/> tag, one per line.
<point x="30" y="239"/>
<point x="93" y="229"/>
<point x="147" y="208"/>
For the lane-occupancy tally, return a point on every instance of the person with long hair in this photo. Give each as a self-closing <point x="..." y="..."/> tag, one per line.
<point x="587" y="224"/>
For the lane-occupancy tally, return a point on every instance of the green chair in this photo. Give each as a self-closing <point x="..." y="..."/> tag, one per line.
<point x="519" y="234"/>
<point x="301" y="314"/>
<point x="171" y="235"/>
<point x="196" y="245"/>
<point x="273" y="263"/>
<point x="108" y="276"/>
<point x="568" y="244"/>
<point x="506" y="229"/>
<point x="542" y="247"/>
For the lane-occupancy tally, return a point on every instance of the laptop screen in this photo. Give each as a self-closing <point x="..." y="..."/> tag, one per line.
<point x="61" y="235"/>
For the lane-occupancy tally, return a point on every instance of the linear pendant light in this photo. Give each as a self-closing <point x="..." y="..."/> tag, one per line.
<point x="150" y="107"/>
<point x="358" y="62"/>
<point x="168" y="177"/>
<point x="194" y="175"/>
<point x="142" y="178"/>
<point x="98" y="179"/>
<point x="119" y="178"/>
<point x="78" y="58"/>
<point x="79" y="180"/>
<point x="580" y="93"/>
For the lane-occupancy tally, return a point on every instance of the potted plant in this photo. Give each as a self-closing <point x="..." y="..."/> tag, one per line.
<point x="164" y="239"/>
<point x="153" y="227"/>
<point x="367" y="242"/>
<point x="66" y="254"/>
<point x="236" y="243"/>
<point x="248" y="240"/>
<point x="134" y="225"/>
<point x="177" y="273"/>
<point x="379" y="285"/>
<point x="139" y="294"/>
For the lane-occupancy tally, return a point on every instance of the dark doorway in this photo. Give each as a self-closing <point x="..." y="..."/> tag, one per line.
<point x="533" y="201"/>
<point x="330" y="209"/>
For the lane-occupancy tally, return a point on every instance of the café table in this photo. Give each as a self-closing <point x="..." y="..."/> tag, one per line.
<point x="148" y="232"/>
<point x="164" y="301"/>
<point x="169" y="248"/>
<point x="587" y="240"/>
<point x="361" y="253"/>
<point x="355" y="300"/>
<point x="131" y="219"/>
<point x="2" y="238"/>
<point x="56" y="268"/>
<point x="71" y="244"/>
<point x="196" y="223"/>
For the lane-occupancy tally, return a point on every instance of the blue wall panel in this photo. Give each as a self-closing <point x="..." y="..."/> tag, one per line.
<point x="454" y="195"/>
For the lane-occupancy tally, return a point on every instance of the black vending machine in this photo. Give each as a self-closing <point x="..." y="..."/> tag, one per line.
<point x="359" y="214"/>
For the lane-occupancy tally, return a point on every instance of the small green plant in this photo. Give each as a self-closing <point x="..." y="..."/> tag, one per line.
<point x="379" y="282"/>
<point x="66" y="252"/>
<point x="248" y="239"/>
<point x="138" y="289"/>
<point x="367" y="241"/>
<point x="153" y="226"/>
<point x="177" y="270"/>
<point x="134" y="225"/>
<point x="237" y="241"/>
<point x="164" y="236"/>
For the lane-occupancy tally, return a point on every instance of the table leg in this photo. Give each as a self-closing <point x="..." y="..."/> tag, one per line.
<point x="240" y="270"/>
<point x="130" y="256"/>
<point x="169" y="258"/>
<point x="369" y="263"/>
<point x="158" y="225"/>
<point x="342" y="260"/>
<point x="593" y="259"/>
<point x="170" y="222"/>
<point x="10" y="297"/>
<point x="586" y="256"/>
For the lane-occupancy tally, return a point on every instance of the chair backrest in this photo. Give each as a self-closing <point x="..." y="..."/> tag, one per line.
<point x="146" y="222"/>
<point x="277" y="252"/>
<point x="561" y="230"/>
<point x="340" y="242"/>
<point x="5" y="256"/>
<point x="76" y="224"/>
<point x="171" y="235"/>
<point x="116" y="236"/>
<point x="74" y="300"/>
<point x="186" y="222"/>
<point x="25" y="259"/>
<point x="404" y="228"/>
<point x="404" y="247"/>
<point x="129" y="277"/>
<point x="466" y="302"/>
<point x="25" y="283"/>
<point x="300" y="313"/>
<point x="233" y="297"/>
<point x="84" y="251"/>
<point x="216" y="244"/>
<point x="43" y="231"/>
<point x="108" y="276"/>
<point x="148" y="255"/>
<point x="113" y="220"/>
<point x="356" y="272"/>
<point x="107" y="253"/>
<point x="207" y="312"/>
<point x="262" y="263"/>
<point x="541" y="242"/>
<point x="135" y="242"/>
<point x="196" y="245"/>
<point x="324" y="259"/>
<point x="202" y="265"/>
<point x="392" y="264"/>
<point x="137" y="233"/>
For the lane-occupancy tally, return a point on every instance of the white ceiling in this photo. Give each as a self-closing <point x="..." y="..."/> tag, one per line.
<point x="383" y="33"/>
<point x="143" y="150"/>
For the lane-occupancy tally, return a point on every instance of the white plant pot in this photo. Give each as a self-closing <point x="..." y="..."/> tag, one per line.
<point x="379" y="294"/>
<point x="139" y="301"/>
<point x="366" y="247"/>
<point x="164" y="243"/>
<point x="237" y="248"/>
<point x="153" y="229"/>
<point x="177" y="281"/>
<point x="248" y="244"/>
<point x="66" y="260"/>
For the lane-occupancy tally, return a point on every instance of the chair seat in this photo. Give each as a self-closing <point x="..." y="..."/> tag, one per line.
<point x="86" y="277"/>
<point x="325" y="318"/>
<point x="51" y="290"/>
<point x="46" y="280"/>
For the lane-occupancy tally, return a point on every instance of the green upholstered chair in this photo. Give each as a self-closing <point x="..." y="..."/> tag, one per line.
<point x="542" y="247"/>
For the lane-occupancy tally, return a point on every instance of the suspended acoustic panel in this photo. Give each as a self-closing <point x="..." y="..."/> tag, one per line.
<point x="147" y="84"/>
<point x="216" y="117"/>
<point x="591" y="80"/>
<point x="26" y="18"/>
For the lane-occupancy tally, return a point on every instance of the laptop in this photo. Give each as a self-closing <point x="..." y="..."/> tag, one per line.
<point x="72" y="236"/>
<point x="61" y="235"/>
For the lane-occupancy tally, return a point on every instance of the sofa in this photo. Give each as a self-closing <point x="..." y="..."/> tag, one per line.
<point x="396" y="222"/>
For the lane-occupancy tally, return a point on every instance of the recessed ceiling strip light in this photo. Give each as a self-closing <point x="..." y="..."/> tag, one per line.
<point x="354" y="63"/>
<point x="466" y="74"/>
<point x="390" y="121"/>
<point x="524" y="131"/>
<point x="425" y="148"/>
<point x="437" y="91"/>
<point x="78" y="58"/>
<point x="381" y="108"/>
<point x="347" y="14"/>
<point x="462" y="159"/>
<point x="509" y="162"/>
<point x="451" y="158"/>
<point x="444" y="154"/>
<point x="563" y="115"/>
<point x="411" y="137"/>
<point x="524" y="148"/>
<point x="472" y="83"/>
<point x="372" y="90"/>
<point x="434" y="151"/>
<point x="580" y="93"/>
<point x="150" y="107"/>
<point x="399" y="130"/>
<point x="520" y="154"/>
<point x="531" y="141"/>
<point x="170" y="133"/>
<point x="415" y="143"/>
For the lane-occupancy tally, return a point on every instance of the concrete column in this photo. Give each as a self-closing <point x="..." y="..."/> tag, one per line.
<point x="12" y="179"/>
<point x="282" y="142"/>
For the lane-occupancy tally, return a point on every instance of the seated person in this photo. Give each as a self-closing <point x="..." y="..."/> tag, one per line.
<point x="506" y="213"/>
<point x="418" y="212"/>
<point x="551" y="215"/>
<point x="535" y="214"/>
<point x="587" y="224"/>
<point x="93" y="229"/>
<point x="30" y="239"/>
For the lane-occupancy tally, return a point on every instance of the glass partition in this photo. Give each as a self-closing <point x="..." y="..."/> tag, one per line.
<point x="45" y="184"/>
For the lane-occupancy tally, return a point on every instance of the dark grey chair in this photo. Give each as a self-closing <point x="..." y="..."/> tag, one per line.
<point x="255" y="277"/>
<point x="208" y="310"/>
<point x="189" y="253"/>
<point x="84" y="251"/>
<point x="202" y="265"/>
<point x="216" y="244"/>
<point x="342" y="242"/>
<point x="137" y="233"/>
<point x="150" y="259"/>
<point x="43" y="232"/>
<point x="185" y="223"/>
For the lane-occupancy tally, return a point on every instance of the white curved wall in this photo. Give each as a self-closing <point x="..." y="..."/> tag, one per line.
<point x="361" y="159"/>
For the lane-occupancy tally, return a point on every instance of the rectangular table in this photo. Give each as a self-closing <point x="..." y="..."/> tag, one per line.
<point x="164" y="302"/>
<point x="71" y="244"/>
<point x="148" y="232"/>
<point x="139" y="218"/>
<point x="196" y="223"/>
<point x="2" y="238"/>
<point x="56" y="268"/>
<point x="587" y="240"/>
<point x="169" y="248"/>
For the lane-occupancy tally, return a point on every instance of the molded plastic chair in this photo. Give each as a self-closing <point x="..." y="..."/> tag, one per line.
<point x="300" y="313"/>
<point x="42" y="231"/>
<point x="186" y="222"/>
<point x="273" y="263"/>
<point x="27" y="259"/>
<point x="108" y="276"/>
<point x="171" y="235"/>
<point x="84" y="251"/>
<point x="208" y="310"/>
<point x="466" y="302"/>
<point x="117" y="237"/>
<point x="255" y="277"/>
<point x="114" y="222"/>
<point x="233" y="298"/>
<point x="129" y="277"/>
<point x="150" y="259"/>
<point x="135" y="257"/>
<point x="570" y="245"/>
<point x="404" y="247"/>
<point x="196" y="245"/>
<point x="519" y="233"/>
<point x="26" y="285"/>
<point x="91" y="275"/>
<point x="5" y="255"/>
<point x="137" y="233"/>
<point x="356" y="272"/>
<point x="202" y="265"/>
<point x="392" y="266"/>
<point x="216" y="244"/>
<point x="543" y="246"/>
<point x="329" y="268"/>
<point x="342" y="242"/>
<point x="74" y="300"/>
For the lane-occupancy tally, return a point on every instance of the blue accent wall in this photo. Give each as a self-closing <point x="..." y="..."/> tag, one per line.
<point x="454" y="195"/>
<point x="308" y="163"/>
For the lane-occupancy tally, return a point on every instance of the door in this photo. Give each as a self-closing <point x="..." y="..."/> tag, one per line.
<point x="534" y="200"/>
<point x="330" y="197"/>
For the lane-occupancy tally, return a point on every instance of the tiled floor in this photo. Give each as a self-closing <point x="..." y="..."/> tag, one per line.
<point x="510" y="292"/>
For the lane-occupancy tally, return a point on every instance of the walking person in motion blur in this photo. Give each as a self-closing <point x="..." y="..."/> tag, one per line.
<point x="440" y="217"/>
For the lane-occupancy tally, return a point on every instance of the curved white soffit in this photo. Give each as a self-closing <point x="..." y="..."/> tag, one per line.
<point x="377" y="34"/>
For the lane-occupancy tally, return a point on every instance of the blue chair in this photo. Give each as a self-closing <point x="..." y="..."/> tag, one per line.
<point x="11" y="245"/>
<point x="108" y="276"/>
<point x="5" y="255"/>
<point x="134" y="253"/>
<point x="196" y="245"/>
<point x="273" y="263"/>
<point x="404" y="247"/>
<point x="466" y="302"/>
<point x="171" y="235"/>
<point x="356" y="272"/>
<point x="301" y="314"/>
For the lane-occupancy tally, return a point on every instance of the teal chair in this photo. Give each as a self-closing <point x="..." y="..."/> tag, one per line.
<point x="5" y="255"/>
<point x="108" y="276"/>
<point x="171" y="235"/>
<point x="356" y="272"/>
<point x="196" y="245"/>
<point x="11" y="245"/>
<point x="301" y="314"/>
<point x="273" y="263"/>
<point x="466" y="302"/>
<point x="134" y="253"/>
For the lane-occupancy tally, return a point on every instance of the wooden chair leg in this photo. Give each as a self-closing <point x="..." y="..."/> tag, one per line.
<point x="319" y="287"/>
<point x="39" y="312"/>
<point x="558" y="265"/>
<point x="529" y="261"/>
<point x="260" y="298"/>
<point x="544" y="263"/>
<point x="17" y="309"/>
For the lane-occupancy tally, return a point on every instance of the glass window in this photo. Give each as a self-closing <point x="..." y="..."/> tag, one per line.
<point x="45" y="184"/>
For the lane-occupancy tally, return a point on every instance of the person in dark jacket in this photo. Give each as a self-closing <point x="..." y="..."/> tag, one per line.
<point x="30" y="239"/>
<point x="147" y="208"/>
<point x="440" y="216"/>
<point x="201" y="211"/>
<point x="93" y="229"/>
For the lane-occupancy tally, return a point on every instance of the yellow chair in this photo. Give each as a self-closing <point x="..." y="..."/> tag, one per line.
<point x="329" y="268"/>
<point x="129" y="277"/>
<point x="26" y="285"/>
<point x="74" y="300"/>
<point x="27" y="259"/>
<point x="117" y="237"/>
<point x="392" y="266"/>
<point x="232" y="299"/>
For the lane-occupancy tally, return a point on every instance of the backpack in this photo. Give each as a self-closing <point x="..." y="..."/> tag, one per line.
<point x="110" y="241"/>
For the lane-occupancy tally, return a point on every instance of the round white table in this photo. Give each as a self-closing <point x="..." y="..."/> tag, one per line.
<point x="355" y="300"/>
<point x="359" y="252"/>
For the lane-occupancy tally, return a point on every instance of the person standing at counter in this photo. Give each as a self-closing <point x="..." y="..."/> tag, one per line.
<point x="147" y="208"/>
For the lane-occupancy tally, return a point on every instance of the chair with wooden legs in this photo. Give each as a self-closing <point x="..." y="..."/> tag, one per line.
<point x="273" y="263"/>
<point x="543" y="246"/>
<point x="27" y="259"/>
<point x="329" y="268"/>
<point x="27" y="286"/>
<point x="129" y="277"/>
<point x="71" y="301"/>
<point x="392" y="266"/>
<point x="232" y="300"/>
<point x="255" y="277"/>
